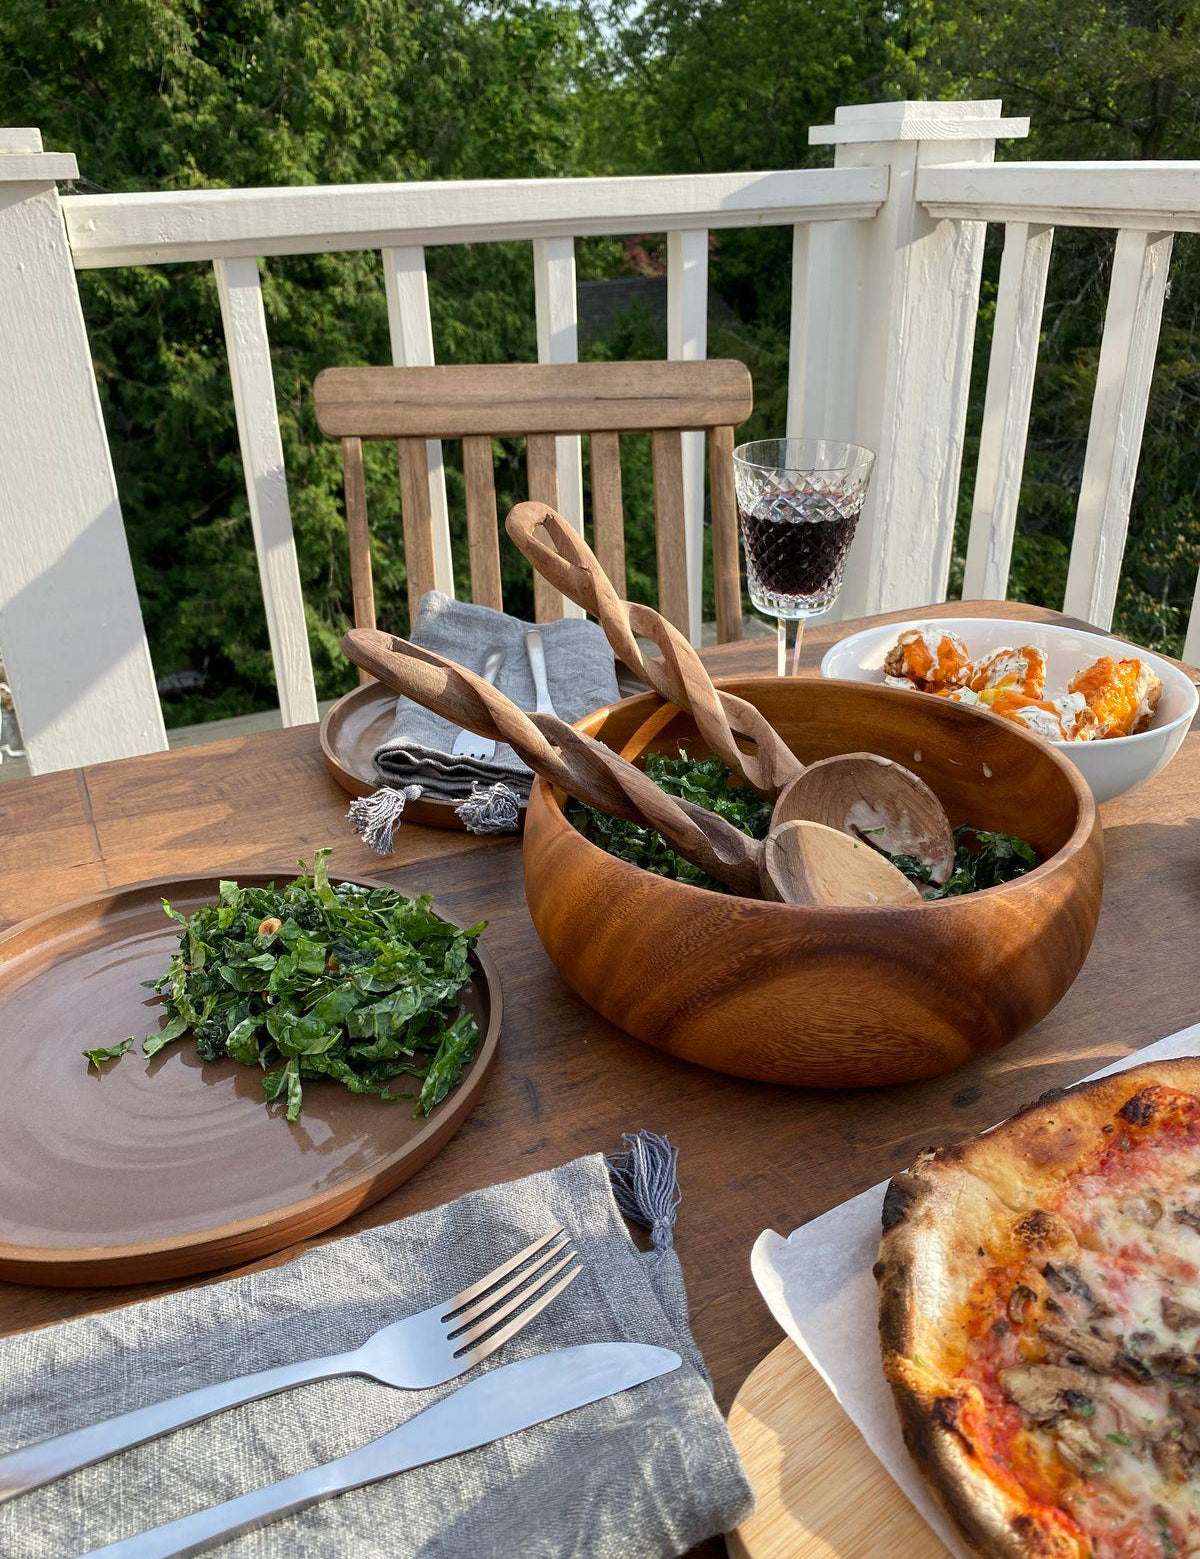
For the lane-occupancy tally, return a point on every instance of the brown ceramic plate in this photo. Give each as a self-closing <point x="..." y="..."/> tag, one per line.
<point x="351" y="731"/>
<point x="157" y="1169"/>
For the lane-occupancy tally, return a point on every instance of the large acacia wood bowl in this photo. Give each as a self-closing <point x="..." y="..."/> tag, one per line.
<point x="833" y="997"/>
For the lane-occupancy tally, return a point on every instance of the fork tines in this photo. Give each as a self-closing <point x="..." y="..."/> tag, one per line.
<point x="511" y="1296"/>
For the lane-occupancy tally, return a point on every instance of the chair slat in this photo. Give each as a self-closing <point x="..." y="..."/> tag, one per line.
<point x="483" y="529"/>
<point x="608" y="512"/>
<point x="512" y="400"/>
<point x="418" y="520"/>
<point x="666" y="447"/>
<point x="541" y="459"/>
<point x="727" y="583"/>
<point x="359" y="538"/>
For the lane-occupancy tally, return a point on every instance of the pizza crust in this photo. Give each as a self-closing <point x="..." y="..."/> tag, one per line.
<point x="955" y="1214"/>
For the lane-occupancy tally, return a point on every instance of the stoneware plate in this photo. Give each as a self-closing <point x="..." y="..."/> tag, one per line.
<point x="161" y="1168"/>
<point x="1110" y="767"/>
<point x="351" y="731"/>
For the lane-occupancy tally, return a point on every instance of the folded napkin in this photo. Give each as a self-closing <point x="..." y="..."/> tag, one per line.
<point x="579" y="673"/>
<point x="645" y="1474"/>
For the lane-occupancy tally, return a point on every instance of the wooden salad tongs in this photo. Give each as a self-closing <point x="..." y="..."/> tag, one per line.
<point x="860" y="794"/>
<point x="800" y="862"/>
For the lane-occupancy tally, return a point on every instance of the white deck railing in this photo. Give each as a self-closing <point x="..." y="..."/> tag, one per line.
<point x="887" y="254"/>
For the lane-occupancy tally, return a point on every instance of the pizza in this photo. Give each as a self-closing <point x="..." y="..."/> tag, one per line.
<point x="1040" y="1321"/>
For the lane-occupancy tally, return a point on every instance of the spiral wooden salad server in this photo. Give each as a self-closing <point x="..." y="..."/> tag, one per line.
<point x="860" y="794"/>
<point x="801" y="864"/>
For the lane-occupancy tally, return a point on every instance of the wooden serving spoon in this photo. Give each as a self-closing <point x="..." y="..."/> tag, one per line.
<point x="800" y="867"/>
<point x="860" y="794"/>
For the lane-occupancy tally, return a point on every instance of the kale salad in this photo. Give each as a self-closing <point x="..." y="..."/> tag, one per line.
<point x="982" y="859"/>
<point x="314" y="979"/>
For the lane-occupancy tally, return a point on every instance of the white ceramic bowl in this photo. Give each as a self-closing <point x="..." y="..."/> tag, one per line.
<point x="1110" y="767"/>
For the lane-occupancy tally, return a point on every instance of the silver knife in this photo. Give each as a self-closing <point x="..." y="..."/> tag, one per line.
<point x="502" y="1402"/>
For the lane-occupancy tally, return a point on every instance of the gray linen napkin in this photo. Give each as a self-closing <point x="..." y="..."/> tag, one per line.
<point x="579" y="673"/>
<point x="643" y="1475"/>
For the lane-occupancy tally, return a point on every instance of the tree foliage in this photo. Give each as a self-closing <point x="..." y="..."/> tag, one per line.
<point x="174" y="94"/>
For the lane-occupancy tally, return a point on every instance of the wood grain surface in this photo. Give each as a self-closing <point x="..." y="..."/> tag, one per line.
<point x="822" y="1493"/>
<point x="752" y="1155"/>
<point x="123" y="1174"/>
<point x="830" y="994"/>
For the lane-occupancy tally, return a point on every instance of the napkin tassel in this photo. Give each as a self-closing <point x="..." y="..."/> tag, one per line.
<point x="496" y="810"/>
<point x="645" y="1184"/>
<point x="377" y="817"/>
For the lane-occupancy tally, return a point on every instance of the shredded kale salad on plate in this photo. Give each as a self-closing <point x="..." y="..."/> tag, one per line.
<point x="982" y="859"/>
<point x="315" y="979"/>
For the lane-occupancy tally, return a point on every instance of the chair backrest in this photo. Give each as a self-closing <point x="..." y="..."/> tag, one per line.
<point x="538" y="402"/>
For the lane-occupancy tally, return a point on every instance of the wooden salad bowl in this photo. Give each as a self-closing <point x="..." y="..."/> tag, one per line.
<point x="832" y="997"/>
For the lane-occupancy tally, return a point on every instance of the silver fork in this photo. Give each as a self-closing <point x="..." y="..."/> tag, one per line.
<point x="424" y="1349"/>
<point x="466" y="743"/>
<point x="535" y="648"/>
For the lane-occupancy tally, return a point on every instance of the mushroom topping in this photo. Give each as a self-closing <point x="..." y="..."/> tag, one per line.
<point x="1173" y="1361"/>
<point x="1078" y="1447"/>
<point x="1189" y="1216"/>
<point x="1094" y="1353"/>
<point x="1170" y="1458"/>
<point x="1134" y="1368"/>
<point x="1146" y="1210"/>
<point x="1019" y="1302"/>
<point x="1068" y="1280"/>
<point x="1040" y="1390"/>
<point x="1179" y="1317"/>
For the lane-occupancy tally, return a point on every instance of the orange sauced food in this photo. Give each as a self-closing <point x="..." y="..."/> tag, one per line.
<point x="1080" y="1381"/>
<point x="929" y="658"/>
<point x="1122" y="694"/>
<point x="1109" y="698"/>
<point x="1021" y="670"/>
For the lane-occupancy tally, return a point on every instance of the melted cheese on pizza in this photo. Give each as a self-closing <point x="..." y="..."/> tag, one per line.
<point x="1085" y="1360"/>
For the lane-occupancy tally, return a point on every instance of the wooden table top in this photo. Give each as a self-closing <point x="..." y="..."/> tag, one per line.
<point x="751" y="1155"/>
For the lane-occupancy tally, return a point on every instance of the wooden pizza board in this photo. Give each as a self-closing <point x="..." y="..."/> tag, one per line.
<point x="821" y="1492"/>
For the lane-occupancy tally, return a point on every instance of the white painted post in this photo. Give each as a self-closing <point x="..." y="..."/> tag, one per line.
<point x="917" y="284"/>
<point x="687" y="341"/>
<point x="411" y="327"/>
<point x="71" y="630"/>
<point x="823" y="351"/>
<point x="1141" y="264"/>
<point x="240" y="290"/>
<point x="1018" y="323"/>
<point x="1191" y="645"/>
<point x="557" y="308"/>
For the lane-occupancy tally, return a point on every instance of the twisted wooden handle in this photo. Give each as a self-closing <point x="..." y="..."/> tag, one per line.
<point x="562" y="556"/>
<point x="560" y="754"/>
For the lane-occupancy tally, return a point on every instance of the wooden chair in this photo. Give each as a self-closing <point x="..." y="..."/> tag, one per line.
<point x="537" y="402"/>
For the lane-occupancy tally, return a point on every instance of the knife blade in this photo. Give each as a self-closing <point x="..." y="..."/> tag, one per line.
<point x="502" y="1402"/>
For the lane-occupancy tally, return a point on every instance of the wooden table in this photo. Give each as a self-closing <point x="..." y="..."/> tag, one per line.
<point x="751" y="1155"/>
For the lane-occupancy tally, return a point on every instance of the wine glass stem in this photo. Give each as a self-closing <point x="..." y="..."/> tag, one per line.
<point x="781" y="646"/>
<point x="796" y="646"/>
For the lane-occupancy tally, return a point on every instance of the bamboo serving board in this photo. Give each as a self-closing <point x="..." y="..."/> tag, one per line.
<point x="821" y="1493"/>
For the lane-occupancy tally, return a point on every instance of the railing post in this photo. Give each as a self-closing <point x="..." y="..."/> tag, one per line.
<point x="909" y="289"/>
<point x="71" y="630"/>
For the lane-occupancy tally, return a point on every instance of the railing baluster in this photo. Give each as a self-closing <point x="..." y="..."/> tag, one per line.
<point x="1191" y="645"/>
<point x="557" y="311"/>
<point x="687" y="341"/>
<point x="1131" y="323"/>
<point x="1005" y="428"/>
<point x="240" y="290"/>
<point x="407" y="289"/>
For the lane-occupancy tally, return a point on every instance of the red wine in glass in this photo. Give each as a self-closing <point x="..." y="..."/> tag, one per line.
<point x="796" y="543"/>
<point x="798" y="503"/>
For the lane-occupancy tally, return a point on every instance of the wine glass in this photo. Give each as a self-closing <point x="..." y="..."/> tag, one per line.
<point x="798" y="501"/>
